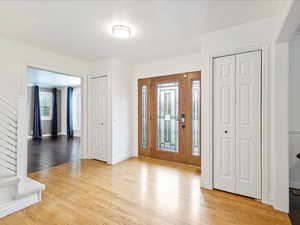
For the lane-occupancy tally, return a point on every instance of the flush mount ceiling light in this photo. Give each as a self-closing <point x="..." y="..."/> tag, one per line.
<point x="121" y="31"/>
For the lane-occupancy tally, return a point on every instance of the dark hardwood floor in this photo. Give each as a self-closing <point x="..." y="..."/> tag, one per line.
<point x="294" y="208"/>
<point x="49" y="152"/>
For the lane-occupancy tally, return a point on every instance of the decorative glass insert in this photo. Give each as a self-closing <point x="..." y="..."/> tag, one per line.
<point x="196" y="117"/>
<point x="167" y="116"/>
<point x="46" y="105"/>
<point x="144" y="117"/>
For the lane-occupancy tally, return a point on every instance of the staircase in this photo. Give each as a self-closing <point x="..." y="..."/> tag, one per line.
<point x="17" y="191"/>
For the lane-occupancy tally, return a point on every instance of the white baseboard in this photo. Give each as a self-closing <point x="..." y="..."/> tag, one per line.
<point x="122" y="158"/>
<point x="205" y="184"/>
<point x="76" y="133"/>
<point x="294" y="184"/>
<point x="45" y="135"/>
<point x="19" y="204"/>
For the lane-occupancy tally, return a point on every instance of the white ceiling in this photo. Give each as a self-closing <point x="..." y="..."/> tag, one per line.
<point x="46" y="79"/>
<point x="161" y="28"/>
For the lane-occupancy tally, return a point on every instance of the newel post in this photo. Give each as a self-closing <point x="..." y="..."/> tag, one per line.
<point x="21" y="138"/>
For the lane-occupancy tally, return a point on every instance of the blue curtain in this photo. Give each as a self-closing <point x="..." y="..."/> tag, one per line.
<point x="36" y="128"/>
<point x="54" y="113"/>
<point x="70" y="131"/>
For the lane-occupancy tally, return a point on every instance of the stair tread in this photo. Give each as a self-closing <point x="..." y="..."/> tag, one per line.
<point x="29" y="196"/>
<point x="29" y="186"/>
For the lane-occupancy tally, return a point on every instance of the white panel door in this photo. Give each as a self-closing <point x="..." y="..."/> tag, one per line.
<point x="99" y="118"/>
<point x="248" y="124"/>
<point x="224" y="123"/>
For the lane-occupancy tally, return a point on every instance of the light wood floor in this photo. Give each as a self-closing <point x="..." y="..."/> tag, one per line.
<point x="136" y="192"/>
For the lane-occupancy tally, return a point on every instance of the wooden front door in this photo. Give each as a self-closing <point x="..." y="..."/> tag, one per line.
<point x="169" y="117"/>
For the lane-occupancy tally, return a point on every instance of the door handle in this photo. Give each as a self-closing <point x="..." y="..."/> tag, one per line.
<point x="182" y="117"/>
<point x="226" y="131"/>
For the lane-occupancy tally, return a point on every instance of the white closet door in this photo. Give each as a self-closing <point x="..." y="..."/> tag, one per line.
<point x="99" y="118"/>
<point x="224" y="123"/>
<point x="248" y="124"/>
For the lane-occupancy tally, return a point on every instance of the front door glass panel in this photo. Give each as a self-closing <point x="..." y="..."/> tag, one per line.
<point x="167" y="116"/>
<point x="196" y="117"/>
<point x="144" y="116"/>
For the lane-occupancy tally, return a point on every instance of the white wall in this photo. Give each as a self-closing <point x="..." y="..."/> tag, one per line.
<point x="14" y="59"/>
<point x="294" y="113"/>
<point x="121" y="112"/>
<point x="280" y="129"/>
<point x="186" y="63"/>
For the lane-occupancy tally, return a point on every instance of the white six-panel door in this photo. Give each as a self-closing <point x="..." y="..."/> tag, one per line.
<point x="224" y="123"/>
<point x="237" y="141"/>
<point x="99" y="118"/>
<point x="248" y="124"/>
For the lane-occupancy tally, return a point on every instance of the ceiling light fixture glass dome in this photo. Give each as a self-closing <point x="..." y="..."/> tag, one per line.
<point x="121" y="31"/>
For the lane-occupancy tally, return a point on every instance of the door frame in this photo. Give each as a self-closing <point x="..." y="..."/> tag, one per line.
<point x="84" y="100"/>
<point x="207" y="144"/>
<point x="151" y="104"/>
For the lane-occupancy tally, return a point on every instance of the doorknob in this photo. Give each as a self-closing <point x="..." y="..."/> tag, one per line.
<point x="182" y="119"/>
<point x="226" y="131"/>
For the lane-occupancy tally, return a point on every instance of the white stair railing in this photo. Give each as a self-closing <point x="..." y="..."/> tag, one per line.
<point x="13" y="155"/>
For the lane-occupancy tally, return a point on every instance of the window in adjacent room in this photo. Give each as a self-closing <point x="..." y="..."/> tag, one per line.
<point x="46" y="105"/>
<point x="77" y="109"/>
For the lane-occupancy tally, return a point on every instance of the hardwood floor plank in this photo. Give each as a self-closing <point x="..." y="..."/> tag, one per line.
<point x="52" y="151"/>
<point x="137" y="192"/>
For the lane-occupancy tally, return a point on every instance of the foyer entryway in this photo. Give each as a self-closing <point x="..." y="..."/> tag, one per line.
<point x="169" y="117"/>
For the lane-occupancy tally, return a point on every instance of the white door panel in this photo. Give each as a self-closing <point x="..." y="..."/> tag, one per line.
<point x="248" y="124"/>
<point x="237" y="123"/>
<point x="224" y="123"/>
<point x="99" y="114"/>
